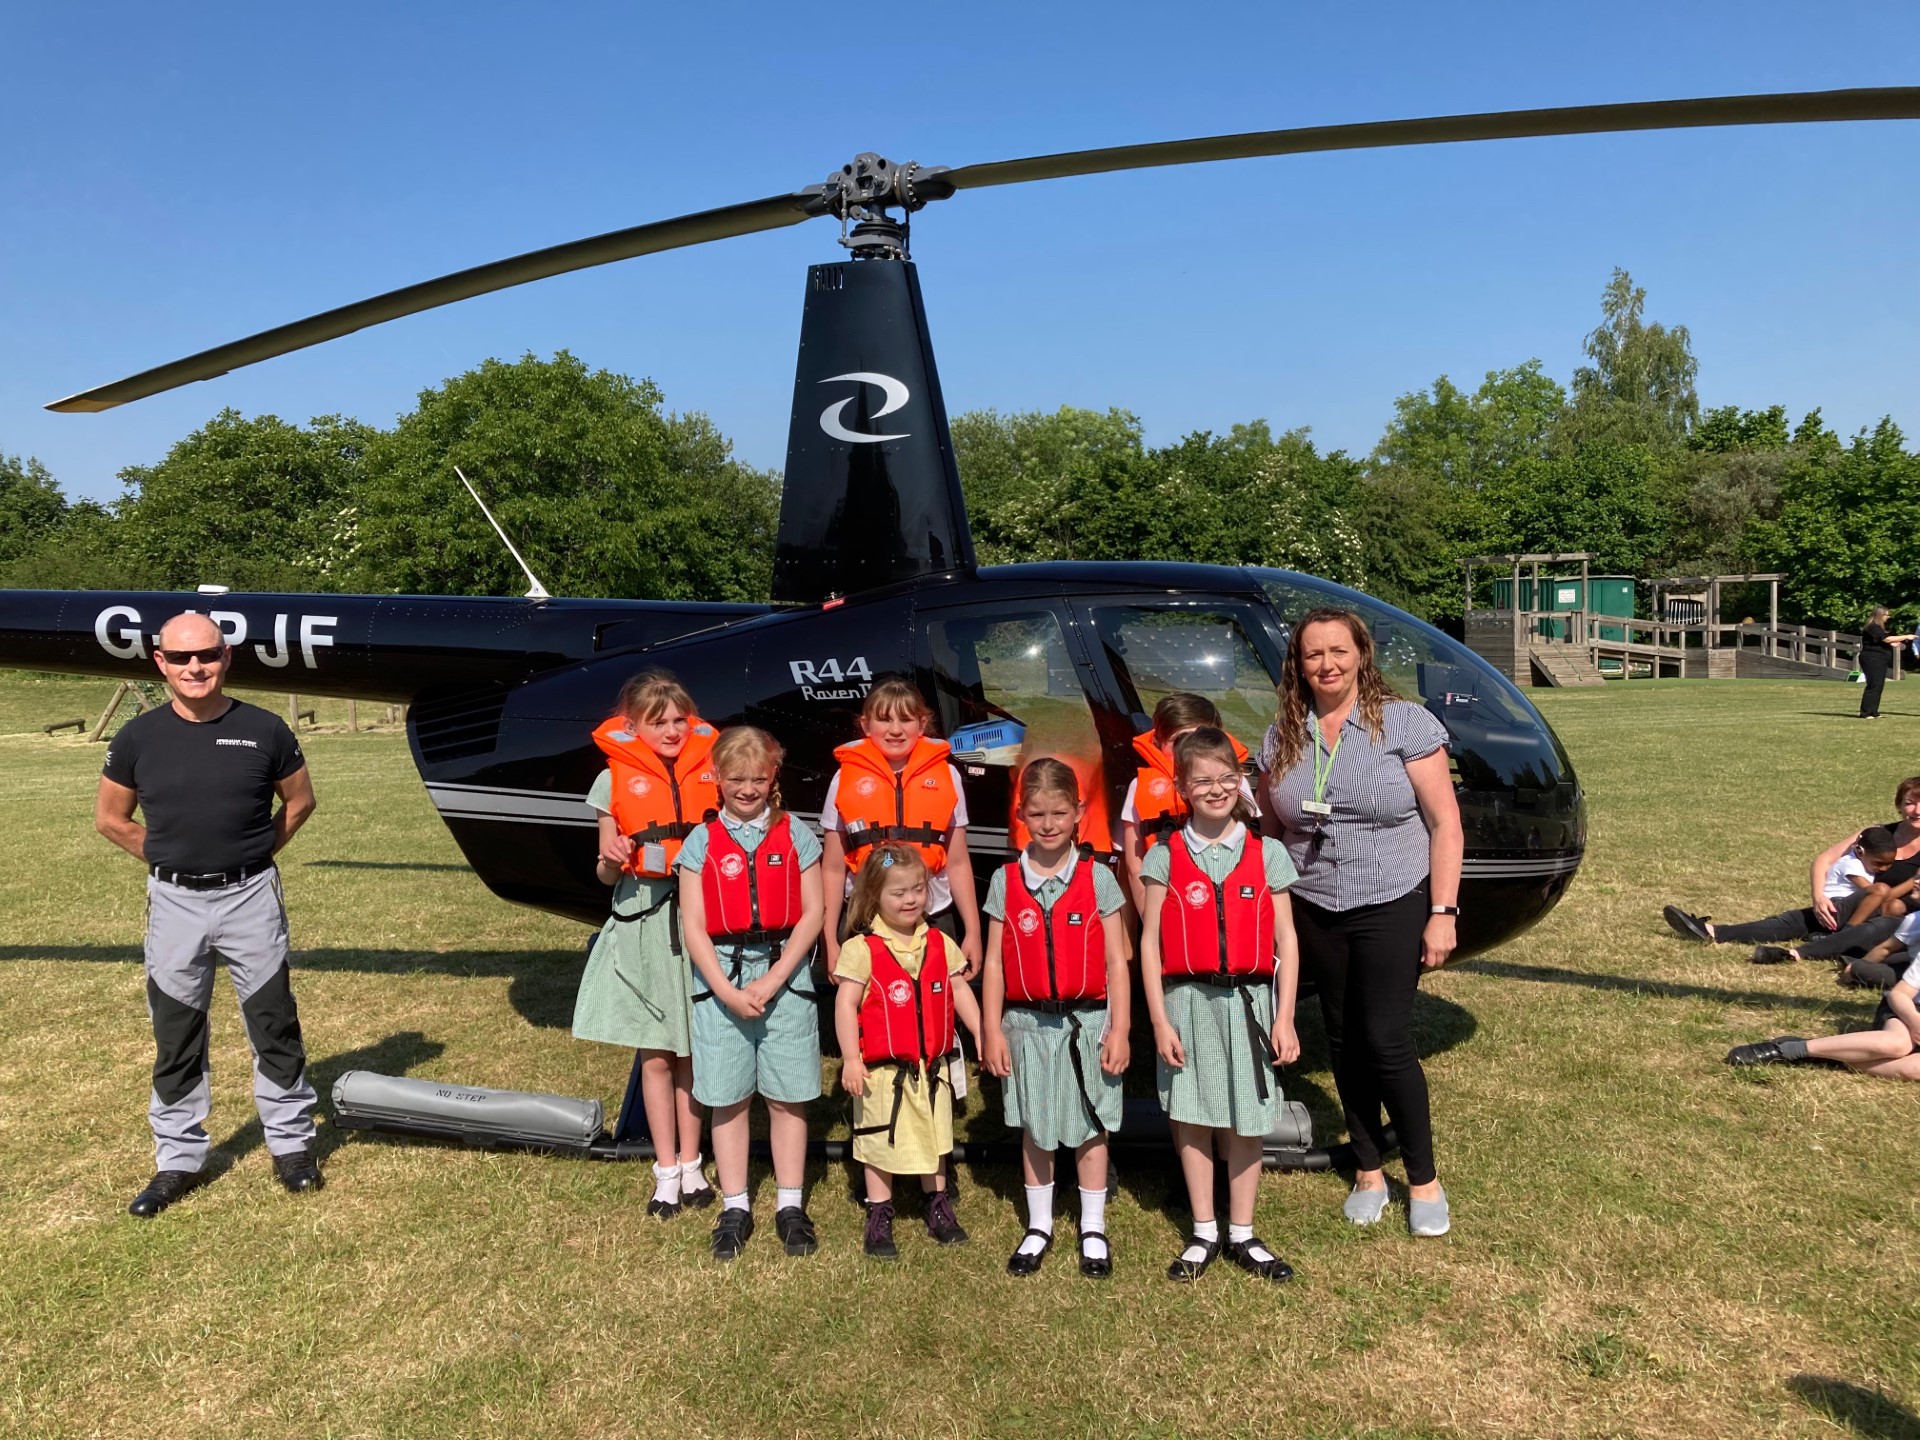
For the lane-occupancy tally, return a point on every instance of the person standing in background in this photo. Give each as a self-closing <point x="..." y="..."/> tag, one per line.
<point x="1876" y="659"/>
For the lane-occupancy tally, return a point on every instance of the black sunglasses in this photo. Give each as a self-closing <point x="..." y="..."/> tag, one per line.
<point x="210" y="656"/>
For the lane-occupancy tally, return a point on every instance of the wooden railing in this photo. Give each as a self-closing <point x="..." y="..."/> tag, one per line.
<point x="1809" y="645"/>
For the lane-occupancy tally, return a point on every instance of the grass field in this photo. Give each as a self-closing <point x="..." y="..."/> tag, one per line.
<point x="1645" y="1243"/>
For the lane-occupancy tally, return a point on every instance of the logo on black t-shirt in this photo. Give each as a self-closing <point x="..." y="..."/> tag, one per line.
<point x="250" y="744"/>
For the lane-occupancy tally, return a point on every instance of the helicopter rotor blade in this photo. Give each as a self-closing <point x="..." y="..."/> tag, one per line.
<point x="1892" y="103"/>
<point x="724" y="223"/>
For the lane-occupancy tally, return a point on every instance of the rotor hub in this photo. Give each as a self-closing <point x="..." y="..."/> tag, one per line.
<point x="864" y="191"/>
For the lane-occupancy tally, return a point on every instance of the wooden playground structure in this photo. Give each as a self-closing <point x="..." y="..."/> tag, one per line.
<point x="1538" y="644"/>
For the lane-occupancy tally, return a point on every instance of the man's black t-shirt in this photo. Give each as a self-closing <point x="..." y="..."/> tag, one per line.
<point x="206" y="789"/>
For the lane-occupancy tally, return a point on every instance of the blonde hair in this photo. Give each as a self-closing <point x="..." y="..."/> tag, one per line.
<point x="1048" y="776"/>
<point x="749" y="745"/>
<point x="1211" y="743"/>
<point x="647" y="695"/>
<point x="863" y="906"/>
<point x="896" y="695"/>
<point x="1183" y="710"/>
<point x="1296" y="695"/>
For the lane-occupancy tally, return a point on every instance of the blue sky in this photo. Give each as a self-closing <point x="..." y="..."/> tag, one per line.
<point x="175" y="177"/>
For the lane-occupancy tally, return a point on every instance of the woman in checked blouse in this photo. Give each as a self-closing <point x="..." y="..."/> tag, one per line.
<point x="1355" y="781"/>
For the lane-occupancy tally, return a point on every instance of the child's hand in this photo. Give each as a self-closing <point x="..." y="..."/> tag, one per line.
<point x="995" y="1057"/>
<point x="762" y="992"/>
<point x="1286" y="1044"/>
<point x="970" y="947"/>
<point x="833" y="953"/>
<point x="741" y="1002"/>
<point x="853" y="1075"/>
<point x="616" y="852"/>
<point x="1115" y="1053"/>
<point x="1167" y="1045"/>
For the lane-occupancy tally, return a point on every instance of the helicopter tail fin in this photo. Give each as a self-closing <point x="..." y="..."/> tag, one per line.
<point x="872" y="494"/>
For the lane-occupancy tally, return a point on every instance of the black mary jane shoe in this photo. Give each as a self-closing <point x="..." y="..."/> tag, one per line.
<point x="1095" y="1267"/>
<point x="699" y="1199"/>
<point x="1185" y="1269"/>
<point x="1271" y="1268"/>
<point x="1023" y="1263"/>
<point x="663" y="1209"/>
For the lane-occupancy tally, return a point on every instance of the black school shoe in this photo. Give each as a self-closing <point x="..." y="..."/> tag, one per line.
<point x="1687" y="927"/>
<point x="942" y="1224"/>
<point x="162" y="1190"/>
<point x="1187" y="1270"/>
<point x="297" y="1172"/>
<point x="731" y="1232"/>
<point x="795" y="1229"/>
<point x="1271" y="1268"/>
<point x="1773" y="955"/>
<point x="1761" y="1052"/>
<point x="1027" y="1262"/>
<point x="878" y="1242"/>
<point x="1095" y="1267"/>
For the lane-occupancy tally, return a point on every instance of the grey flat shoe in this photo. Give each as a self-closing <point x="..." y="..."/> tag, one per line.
<point x="1365" y="1207"/>
<point x="1428" y="1217"/>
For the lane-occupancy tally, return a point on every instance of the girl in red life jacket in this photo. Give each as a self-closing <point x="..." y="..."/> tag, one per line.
<point x="750" y="907"/>
<point x="896" y="785"/>
<point x="658" y="787"/>
<point x="1056" y="998"/>
<point x="1153" y="808"/>
<point x="901" y="987"/>
<point x="1218" y="963"/>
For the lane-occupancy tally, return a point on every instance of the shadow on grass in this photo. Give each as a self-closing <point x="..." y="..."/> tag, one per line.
<point x="395" y="1055"/>
<point x="1862" y="1411"/>
<point x="382" y="865"/>
<point x="541" y="989"/>
<point x="1664" y="989"/>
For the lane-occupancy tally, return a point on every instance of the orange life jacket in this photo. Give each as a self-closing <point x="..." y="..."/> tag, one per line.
<point x="1156" y="798"/>
<point x="654" y="802"/>
<point x="912" y="807"/>
<point x="1056" y="956"/>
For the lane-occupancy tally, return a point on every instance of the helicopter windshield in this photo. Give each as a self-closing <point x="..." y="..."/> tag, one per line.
<point x="1201" y="649"/>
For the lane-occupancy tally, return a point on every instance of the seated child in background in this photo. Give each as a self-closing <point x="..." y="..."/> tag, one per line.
<point x="900" y="990"/>
<point x="1891" y="1049"/>
<point x="1056" y="995"/>
<point x="1880" y="967"/>
<point x="1848" y="884"/>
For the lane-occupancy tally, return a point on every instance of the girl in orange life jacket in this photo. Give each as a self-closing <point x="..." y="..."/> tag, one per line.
<point x="657" y="788"/>
<point x="901" y="987"/>
<point x="1219" y="964"/>
<point x="1153" y="808"/>
<point x="750" y="905"/>
<point x="1056" y="997"/>
<point x="896" y="785"/>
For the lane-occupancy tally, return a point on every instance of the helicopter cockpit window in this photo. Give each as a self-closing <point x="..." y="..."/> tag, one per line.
<point x="1007" y="691"/>
<point x="1204" y="651"/>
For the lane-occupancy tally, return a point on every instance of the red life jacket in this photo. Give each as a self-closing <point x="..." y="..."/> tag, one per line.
<point x="914" y="806"/>
<point x="751" y="898"/>
<point x="1156" y="798"/>
<point x="655" y="803"/>
<point x="1212" y="931"/>
<point x="1054" y="956"/>
<point x="906" y="1020"/>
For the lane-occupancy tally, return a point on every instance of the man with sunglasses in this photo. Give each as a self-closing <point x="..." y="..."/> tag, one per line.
<point x="203" y="772"/>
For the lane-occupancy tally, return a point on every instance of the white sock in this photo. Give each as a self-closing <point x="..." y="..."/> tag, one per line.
<point x="1093" y="1216"/>
<point x="691" y="1180"/>
<point x="1039" y="1217"/>
<point x="735" y="1202"/>
<point x="666" y="1183"/>
<point x="785" y="1199"/>
<point x="1208" y="1230"/>
<point x="1240" y="1235"/>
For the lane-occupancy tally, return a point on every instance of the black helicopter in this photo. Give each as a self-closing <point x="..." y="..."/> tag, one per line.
<point x="875" y="572"/>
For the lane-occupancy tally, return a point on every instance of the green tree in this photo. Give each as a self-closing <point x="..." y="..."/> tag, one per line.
<point x="1615" y="501"/>
<point x="1034" y="482"/>
<point x="31" y="505"/>
<point x="603" y="493"/>
<point x="1639" y="390"/>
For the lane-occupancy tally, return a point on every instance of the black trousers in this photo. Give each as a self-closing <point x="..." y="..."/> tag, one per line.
<point x="1787" y="926"/>
<point x="1874" y="664"/>
<point x="1366" y="964"/>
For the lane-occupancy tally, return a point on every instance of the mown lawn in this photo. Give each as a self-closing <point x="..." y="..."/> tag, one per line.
<point x="1645" y="1242"/>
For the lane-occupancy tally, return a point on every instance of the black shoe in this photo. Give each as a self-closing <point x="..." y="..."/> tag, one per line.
<point x="1095" y="1267"/>
<point x="1271" y="1268"/>
<point x="1027" y="1262"/>
<point x="1185" y="1269"/>
<point x="663" y="1209"/>
<point x="1761" y="1052"/>
<point x="297" y="1172"/>
<point x="162" y="1190"/>
<point x="698" y="1199"/>
<point x="1773" y="955"/>
<point x="795" y="1229"/>
<point x="1688" y="927"/>
<point x="731" y="1232"/>
<point x="942" y="1224"/>
<point x="878" y="1243"/>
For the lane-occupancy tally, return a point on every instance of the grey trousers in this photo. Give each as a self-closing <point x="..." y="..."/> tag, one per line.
<point x="246" y="924"/>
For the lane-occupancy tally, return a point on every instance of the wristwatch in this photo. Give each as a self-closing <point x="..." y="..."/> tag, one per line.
<point x="1446" y="910"/>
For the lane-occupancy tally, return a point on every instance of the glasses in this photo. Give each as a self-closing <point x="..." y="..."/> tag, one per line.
<point x="209" y="656"/>
<point x="1213" y="787"/>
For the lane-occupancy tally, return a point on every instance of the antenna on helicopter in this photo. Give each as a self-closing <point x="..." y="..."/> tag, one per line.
<point x="539" y="591"/>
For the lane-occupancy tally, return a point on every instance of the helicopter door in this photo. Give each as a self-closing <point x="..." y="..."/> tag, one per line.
<point x="1219" y="650"/>
<point x="1009" y="689"/>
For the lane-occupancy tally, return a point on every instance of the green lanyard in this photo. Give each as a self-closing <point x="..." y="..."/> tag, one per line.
<point x="1323" y="774"/>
